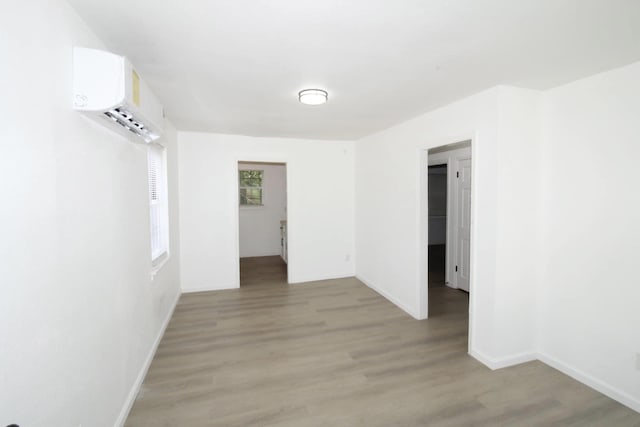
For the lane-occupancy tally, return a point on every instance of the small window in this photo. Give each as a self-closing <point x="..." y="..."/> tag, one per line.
<point x="158" y="203"/>
<point x="250" y="184"/>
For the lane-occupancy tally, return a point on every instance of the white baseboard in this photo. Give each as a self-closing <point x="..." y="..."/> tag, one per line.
<point x="131" y="398"/>
<point x="401" y="305"/>
<point x="502" y="362"/>
<point x="260" y="255"/>
<point x="208" y="289"/>
<point x="295" y="281"/>
<point x="596" y="384"/>
<point x="298" y="280"/>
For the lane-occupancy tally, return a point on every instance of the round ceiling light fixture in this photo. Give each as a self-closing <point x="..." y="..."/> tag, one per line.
<point x="313" y="96"/>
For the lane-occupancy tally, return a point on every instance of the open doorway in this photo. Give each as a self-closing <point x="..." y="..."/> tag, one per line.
<point x="437" y="193"/>
<point x="449" y="230"/>
<point x="262" y="219"/>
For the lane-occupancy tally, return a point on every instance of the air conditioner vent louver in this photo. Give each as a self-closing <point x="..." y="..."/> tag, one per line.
<point x="108" y="89"/>
<point x="126" y="119"/>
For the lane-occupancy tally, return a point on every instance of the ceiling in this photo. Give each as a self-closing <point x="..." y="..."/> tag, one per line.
<point x="235" y="66"/>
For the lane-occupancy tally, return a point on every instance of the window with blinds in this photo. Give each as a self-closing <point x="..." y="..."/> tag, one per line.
<point x="158" y="206"/>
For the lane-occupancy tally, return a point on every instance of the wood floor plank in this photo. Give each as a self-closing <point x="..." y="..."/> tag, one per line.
<point x="335" y="353"/>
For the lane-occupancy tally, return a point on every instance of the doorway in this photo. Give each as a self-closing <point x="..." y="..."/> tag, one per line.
<point x="262" y="220"/>
<point x="449" y="229"/>
<point x="437" y="194"/>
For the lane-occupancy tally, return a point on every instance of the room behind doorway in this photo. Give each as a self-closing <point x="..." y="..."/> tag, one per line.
<point x="448" y="207"/>
<point x="262" y="198"/>
<point x="437" y="224"/>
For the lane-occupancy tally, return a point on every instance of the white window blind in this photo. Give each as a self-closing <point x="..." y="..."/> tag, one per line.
<point x="158" y="206"/>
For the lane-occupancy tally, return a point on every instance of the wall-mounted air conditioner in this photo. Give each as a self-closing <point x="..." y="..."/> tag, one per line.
<point x="107" y="88"/>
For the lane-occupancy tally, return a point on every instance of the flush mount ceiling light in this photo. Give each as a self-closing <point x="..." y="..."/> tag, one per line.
<point x="313" y="96"/>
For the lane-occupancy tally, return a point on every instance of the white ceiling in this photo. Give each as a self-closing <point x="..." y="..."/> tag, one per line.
<point x="235" y="66"/>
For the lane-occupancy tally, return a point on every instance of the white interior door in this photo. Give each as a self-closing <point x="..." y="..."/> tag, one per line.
<point x="463" y="223"/>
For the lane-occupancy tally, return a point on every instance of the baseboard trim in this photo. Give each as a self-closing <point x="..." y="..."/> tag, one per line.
<point x="208" y="289"/>
<point x="131" y="398"/>
<point x="261" y="255"/>
<point x="298" y="281"/>
<point x="609" y="391"/>
<point x="391" y="298"/>
<point x="503" y="362"/>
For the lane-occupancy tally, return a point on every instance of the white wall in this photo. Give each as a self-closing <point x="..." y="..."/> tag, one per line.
<point x="260" y="225"/>
<point x="589" y="287"/>
<point x="390" y="223"/>
<point x="550" y="226"/>
<point x="78" y="312"/>
<point x="320" y="206"/>
<point x="556" y="235"/>
<point x="518" y="163"/>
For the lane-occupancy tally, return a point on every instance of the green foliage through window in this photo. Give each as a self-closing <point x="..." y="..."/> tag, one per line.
<point x="250" y="187"/>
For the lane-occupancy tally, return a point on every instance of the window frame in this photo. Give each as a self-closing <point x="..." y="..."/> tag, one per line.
<point x="241" y="187"/>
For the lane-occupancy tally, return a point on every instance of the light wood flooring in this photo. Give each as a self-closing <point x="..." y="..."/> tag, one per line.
<point x="263" y="271"/>
<point x="335" y="353"/>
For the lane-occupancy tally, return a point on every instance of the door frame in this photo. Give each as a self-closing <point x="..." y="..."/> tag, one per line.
<point x="253" y="158"/>
<point x="423" y="225"/>
<point x="443" y="158"/>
